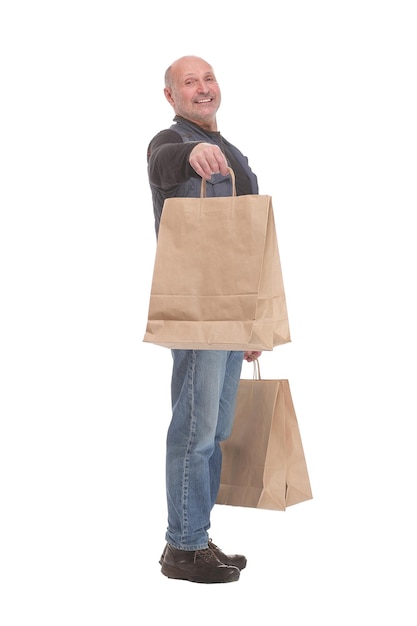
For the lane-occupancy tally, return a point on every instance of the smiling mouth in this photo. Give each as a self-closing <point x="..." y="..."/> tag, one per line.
<point x="204" y="101"/>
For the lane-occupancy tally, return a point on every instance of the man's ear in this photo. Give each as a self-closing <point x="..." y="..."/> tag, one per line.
<point x="168" y="96"/>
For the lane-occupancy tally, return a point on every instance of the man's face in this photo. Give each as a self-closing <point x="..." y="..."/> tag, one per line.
<point x="194" y="92"/>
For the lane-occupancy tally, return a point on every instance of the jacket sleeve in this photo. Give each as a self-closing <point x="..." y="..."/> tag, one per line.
<point x="168" y="163"/>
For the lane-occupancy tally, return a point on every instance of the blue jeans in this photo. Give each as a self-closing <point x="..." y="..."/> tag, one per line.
<point x="203" y="391"/>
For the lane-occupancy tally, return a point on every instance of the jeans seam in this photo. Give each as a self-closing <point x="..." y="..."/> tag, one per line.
<point x="191" y="438"/>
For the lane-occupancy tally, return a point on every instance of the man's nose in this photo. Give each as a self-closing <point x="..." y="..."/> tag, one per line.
<point x="201" y="86"/>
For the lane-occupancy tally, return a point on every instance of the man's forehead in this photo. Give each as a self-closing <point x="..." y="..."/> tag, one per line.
<point x="193" y="72"/>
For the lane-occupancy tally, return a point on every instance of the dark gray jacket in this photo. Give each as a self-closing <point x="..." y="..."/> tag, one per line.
<point x="170" y="174"/>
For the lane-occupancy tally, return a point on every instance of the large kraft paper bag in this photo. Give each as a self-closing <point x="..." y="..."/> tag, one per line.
<point x="217" y="280"/>
<point x="264" y="465"/>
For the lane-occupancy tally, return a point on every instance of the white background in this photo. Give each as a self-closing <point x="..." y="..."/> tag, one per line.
<point x="321" y="96"/>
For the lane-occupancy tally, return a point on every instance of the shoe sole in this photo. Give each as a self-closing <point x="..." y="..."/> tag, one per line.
<point x="241" y="567"/>
<point x="172" y="572"/>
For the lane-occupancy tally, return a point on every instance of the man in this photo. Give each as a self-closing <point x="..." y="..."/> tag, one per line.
<point x="204" y="382"/>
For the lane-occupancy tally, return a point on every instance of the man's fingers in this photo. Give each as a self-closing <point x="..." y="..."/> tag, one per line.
<point x="207" y="159"/>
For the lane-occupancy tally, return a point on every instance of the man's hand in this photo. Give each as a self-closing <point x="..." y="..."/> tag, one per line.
<point x="251" y="355"/>
<point x="207" y="159"/>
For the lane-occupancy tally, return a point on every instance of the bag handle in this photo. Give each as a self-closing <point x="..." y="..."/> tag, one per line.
<point x="203" y="184"/>
<point x="256" y="370"/>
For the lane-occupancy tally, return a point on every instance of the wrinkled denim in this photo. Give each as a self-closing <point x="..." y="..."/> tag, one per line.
<point x="203" y="392"/>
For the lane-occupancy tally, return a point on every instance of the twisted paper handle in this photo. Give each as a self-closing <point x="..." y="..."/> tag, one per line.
<point x="256" y="370"/>
<point x="203" y="184"/>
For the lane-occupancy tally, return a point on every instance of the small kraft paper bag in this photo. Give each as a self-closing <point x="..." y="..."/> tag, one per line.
<point x="264" y="465"/>
<point x="217" y="281"/>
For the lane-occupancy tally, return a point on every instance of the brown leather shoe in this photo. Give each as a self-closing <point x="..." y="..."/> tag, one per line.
<point x="199" y="566"/>
<point x="237" y="560"/>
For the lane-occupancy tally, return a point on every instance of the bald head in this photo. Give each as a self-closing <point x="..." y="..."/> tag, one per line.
<point x="183" y="62"/>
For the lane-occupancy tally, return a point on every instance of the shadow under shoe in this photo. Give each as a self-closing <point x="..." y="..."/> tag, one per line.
<point x="199" y="566"/>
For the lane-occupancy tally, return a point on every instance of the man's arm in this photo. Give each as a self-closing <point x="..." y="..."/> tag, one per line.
<point x="168" y="160"/>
